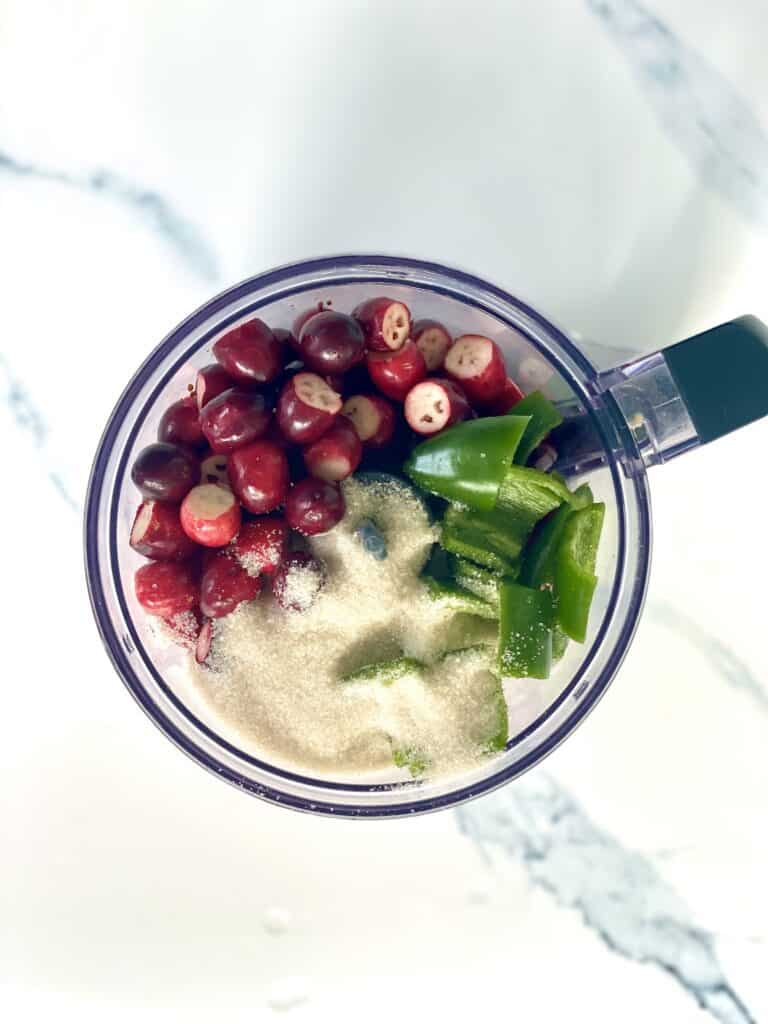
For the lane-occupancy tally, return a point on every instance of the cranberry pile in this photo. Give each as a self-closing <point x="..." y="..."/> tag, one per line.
<point x="259" y="446"/>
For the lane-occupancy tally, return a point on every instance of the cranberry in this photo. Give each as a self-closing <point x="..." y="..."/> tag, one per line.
<point x="259" y="476"/>
<point x="204" y="641"/>
<point x="395" y="373"/>
<point x="287" y="340"/>
<point x="337" y="454"/>
<point x="433" y="340"/>
<point x="213" y="470"/>
<point x="165" y="588"/>
<point x="307" y="314"/>
<point x="234" y="419"/>
<point x="225" y="585"/>
<point x="314" y="506"/>
<point x="210" y="515"/>
<point x="184" y="628"/>
<point x="306" y="408"/>
<point x="210" y="382"/>
<point x="180" y="423"/>
<point x="478" y="365"/>
<point x="435" y="404"/>
<point x="261" y="544"/>
<point x="509" y="397"/>
<point x="250" y="352"/>
<point x="157" y="533"/>
<point x="386" y="323"/>
<point x="298" y="581"/>
<point x="331" y="342"/>
<point x="372" y="417"/>
<point x="165" y="472"/>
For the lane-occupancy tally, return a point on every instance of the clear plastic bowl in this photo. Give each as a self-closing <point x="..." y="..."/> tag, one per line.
<point x="541" y="714"/>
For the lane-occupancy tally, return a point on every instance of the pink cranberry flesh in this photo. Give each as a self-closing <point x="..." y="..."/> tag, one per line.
<point x="508" y="398"/>
<point x="213" y="470"/>
<point x="298" y="581"/>
<point x="157" y="533"/>
<point x="234" y="419"/>
<point x="210" y="515"/>
<point x="306" y="408"/>
<point x="261" y="545"/>
<point x="435" y="404"/>
<point x="225" y="585"/>
<point x="165" y="472"/>
<point x="433" y="340"/>
<point x="477" y="364"/>
<point x="372" y="417"/>
<point x="165" y="589"/>
<point x="180" y="423"/>
<point x="250" y="352"/>
<point x="210" y="382"/>
<point x="386" y="323"/>
<point x="395" y="373"/>
<point x="337" y="454"/>
<point x="331" y="343"/>
<point x="260" y="476"/>
<point x="314" y="506"/>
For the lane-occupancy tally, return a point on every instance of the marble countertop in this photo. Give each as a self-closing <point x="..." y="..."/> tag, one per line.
<point x="608" y="161"/>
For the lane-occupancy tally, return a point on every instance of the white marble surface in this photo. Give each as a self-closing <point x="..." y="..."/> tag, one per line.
<point x="604" y="160"/>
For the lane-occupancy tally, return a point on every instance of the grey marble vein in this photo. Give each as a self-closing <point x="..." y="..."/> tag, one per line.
<point x="700" y="111"/>
<point x="153" y="208"/>
<point x="619" y="893"/>
<point x="725" y="661"/>
<point x="30" y="422"/>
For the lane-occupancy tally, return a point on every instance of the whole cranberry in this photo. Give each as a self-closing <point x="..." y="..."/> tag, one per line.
<point x="180" y="423"/>
<point x="314" y="506"/>
<point x="331" y="342"/>
<point x="259" y="475"/>
<point x="235" y="418"/>
<point x="250" y="352"/>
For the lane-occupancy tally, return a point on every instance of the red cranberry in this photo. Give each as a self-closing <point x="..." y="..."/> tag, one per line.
<point x="433" y="340"/>
<point x="509" y="397"/>
<point x="478" y="365"/>
<point x="386" y="323"/>
<point x="225" y="585"/>
<point x="210" y="515"/>
<point x="314" y="506"/>
<point x="210" y="382"/>
<point x="435" y="404"/>
<point x="213" y="470"/>
<point x="157" y="533"/>
<point x="250" y="352"/>
<point x="184" y="628"/>
<point x="395" y="373"/>
<point x="372" y="417"/>
<point x="337" y="454"/>
<point x="180" y="423"/>
<point x="165" y="588"/>
<point x="331" y="343"/>
<point x="298" y="581"/>
<point x="234" y="419"/>
<point x="261" y="545"/>
<point x="165" y="472"/>
<point x="259" y="476"/>
<point x="306" y="408"/>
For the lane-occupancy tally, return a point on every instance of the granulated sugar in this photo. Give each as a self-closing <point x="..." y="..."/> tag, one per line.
<point x="274" y="687"/>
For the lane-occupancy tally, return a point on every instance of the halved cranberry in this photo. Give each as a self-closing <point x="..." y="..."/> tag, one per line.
<point x="210" y="382"/>
<point x="261" y="545"/>
<point x="395" y="373"/>
<point x="225" y="585"/>
<point x="372" y="417"/>
<point x="250" y="352"/>
<point x="433" y="340"/>
<point x="234" y="419"/>
<point x="184" y="628"/>
<point x="180" y="423"/>
<point x="337" y="454"/>
<point x="204" y="642"/>
<point x="298" y="581"/>
<point x="213" y="470"/>
<point x="210" y="515"/>
<point x="386" y="323"/>
<point x="165" y="472"/>
<point x="306" y="408"/>
<point x="331" y="342"/>
<point x="157" y="533"/>
<point x="259" y="476"/>
<point x="509" y="397"/>
<point x="314" y="506"/>
<point x="478" y="365"/>
<point x="435" y="404"/>
<point x="165" y="588"/>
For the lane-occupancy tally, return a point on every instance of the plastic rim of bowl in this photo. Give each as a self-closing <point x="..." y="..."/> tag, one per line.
<point x="598" y="667"/>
